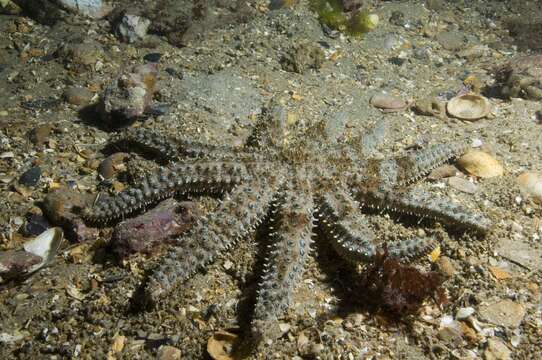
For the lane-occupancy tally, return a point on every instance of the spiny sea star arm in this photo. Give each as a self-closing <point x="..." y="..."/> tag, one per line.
<point x="419" y="163"/>
<point x="287" y="257"/>
<point x="423" y="205"/>
<point x="163" y="148"/>
<point x="345" y="226"/>
<point x="205" y="177"/>
<point x="350" y="235"/>
<point x="238" y="214"/>
<point x="406" y="169"/>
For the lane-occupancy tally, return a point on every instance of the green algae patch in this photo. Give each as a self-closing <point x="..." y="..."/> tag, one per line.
<point x="354" y="23"/>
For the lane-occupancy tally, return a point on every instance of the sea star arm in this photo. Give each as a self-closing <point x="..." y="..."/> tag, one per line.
<point x="165" y="149"/>
<point x="353" y="239"/>
<point x="201" y="176"/>
<point x="423" y="205"/>
<point x="238" y="214"/>
<point x="287" y="257"/>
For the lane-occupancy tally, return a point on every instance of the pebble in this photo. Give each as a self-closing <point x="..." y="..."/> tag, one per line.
<point x="92" y="8"/>
<point x="446" y="266"/>
<point x="506" y="313"/>
<point x="463" y="313"/>
<point x="481" y="164"/>
<point x="62" y="208"/>
<point x="144" y="233"/>
<point x="451" y="40"/>
<point x="16" y="262"/>
<point x="153" y="57"/>
<point x="40" y="134"/>
<point x="110" y="165"/>
<point x="462" y="185"/>
<point x="530" y="184"/>
<point x="35" y="225"/>
<point x="388" y="103"/>
<point x="128" y="96"/>
<point x="77" y="95"/>
<point x="132" y="28"/>
<point x="497" y="350"/>
<point x="166" y="352"/>
<point x="31" y="177"/>
<point x="81" y="54"/>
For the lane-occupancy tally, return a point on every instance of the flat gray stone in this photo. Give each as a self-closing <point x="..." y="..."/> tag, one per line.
<point x="506" y="313"/>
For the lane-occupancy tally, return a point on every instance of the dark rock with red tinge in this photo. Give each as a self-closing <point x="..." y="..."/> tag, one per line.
<point x="143" y="234"/>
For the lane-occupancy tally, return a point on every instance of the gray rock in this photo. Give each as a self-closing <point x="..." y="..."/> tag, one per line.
<point x="451" y="40"/>
<point x="132" y="28"/>
<point x="128" y="96"/>
<point x="497" y="350"/>
<point x="462" y="185"/>
<point x="92" y="8"/>
<point x="77" y="95"/>
<point x="505" y="313"/>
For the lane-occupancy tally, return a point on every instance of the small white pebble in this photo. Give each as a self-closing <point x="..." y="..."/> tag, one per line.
<point x="476" y="143"/>
<point x="464" y="313"/>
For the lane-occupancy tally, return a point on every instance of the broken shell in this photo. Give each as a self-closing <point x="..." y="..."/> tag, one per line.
<point x="481" y="164"/>
<point x="46" y="246"/>
<point x="388" y="103"/>
<point x="221" y="344"/>
<point x="35" y="254"/>
<point x="468" y="107"/>
<point x="530" y="183"/>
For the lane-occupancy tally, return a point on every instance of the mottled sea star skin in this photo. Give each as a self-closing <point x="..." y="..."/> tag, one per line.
<point x="300" y="183"/>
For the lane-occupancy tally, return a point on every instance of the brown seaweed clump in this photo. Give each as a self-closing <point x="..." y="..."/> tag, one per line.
<point x="401" y="289"/>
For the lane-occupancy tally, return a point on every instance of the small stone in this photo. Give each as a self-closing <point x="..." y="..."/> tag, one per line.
<point x="31" y="177"/>
<point x="451" y="40"/>
<point x="81" y="54"/>
<point x="462" y="185"/>
<point x="40" y="134"/>
<point x="77" y="95"/>
<point x="388" y="103"/>
<point x="110" y="165"/>
<point x="463" y="313"/>
<point x="35" y="225"/>
<point x="152" y="57"/>
<point x="481" y="164"/>
<point x="62" y="208"/>
<point x="497" y="350"/>
<point x="14" y="263"/>
<point x="118" y="343"/>
<point x="132" y="28"/>
<point x="144" y="233"/>
<point x="92" y="8"/>
<point x="530" y="184"/>
<point x="446" y="266"/>
<point x="166" y="352"/>
<point x="450" y="334"/>
<point x="505" y="313"/>
<point x="128" y="96"/>
<point x="302" y="57"/>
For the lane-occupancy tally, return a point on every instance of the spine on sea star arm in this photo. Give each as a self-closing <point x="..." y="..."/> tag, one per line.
<point x="238" y="214"/>
<point x="345" y="226"/>
<point x="205" y="177"/>
<point x="287" y="257"/>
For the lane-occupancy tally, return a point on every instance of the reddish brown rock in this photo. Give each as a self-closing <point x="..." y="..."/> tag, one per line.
<point x="143" y="234"/>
